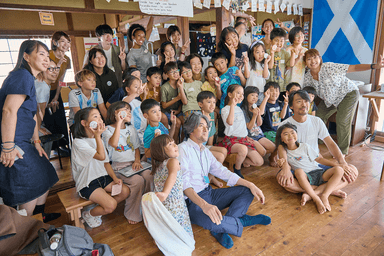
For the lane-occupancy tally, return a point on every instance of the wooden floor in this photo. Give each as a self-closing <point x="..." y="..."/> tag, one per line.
<point x="355" y="226"/>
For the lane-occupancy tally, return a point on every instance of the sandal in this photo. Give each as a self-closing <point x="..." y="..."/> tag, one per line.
<point x="93" y="222"/>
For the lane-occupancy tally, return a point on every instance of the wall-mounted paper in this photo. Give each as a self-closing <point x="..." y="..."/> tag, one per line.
<point x="295" y="11"/>
<point x="261" y="6"/>
<point x="289" y="9"/>
<point x="269" y="7"/>
<point x="276" y="6"/>
<point x="217" y="3"/>
<point x="282" y="7"/>
<point x="167" y="7"/>
<point x="207" y="4"/>
<point x="300" y="10"/>
<point x="254" y="5"/>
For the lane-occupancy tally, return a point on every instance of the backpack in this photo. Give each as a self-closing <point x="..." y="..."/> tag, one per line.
<point x="74" y="242"/>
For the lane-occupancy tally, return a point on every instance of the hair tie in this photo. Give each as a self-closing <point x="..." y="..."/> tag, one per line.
<point x="255" y="42"/>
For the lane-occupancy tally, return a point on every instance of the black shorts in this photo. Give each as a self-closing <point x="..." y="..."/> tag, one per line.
<point x="100" y="182"/>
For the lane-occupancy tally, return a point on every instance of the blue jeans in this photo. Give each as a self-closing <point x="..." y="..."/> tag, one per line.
<point x="237" y="199"/>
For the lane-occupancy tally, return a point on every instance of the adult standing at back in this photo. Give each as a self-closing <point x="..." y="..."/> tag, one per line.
<point x="338" y="93"/>
<point x="115" y="56"/>
<point x="56" y="122"/>
<point x="26" y="174"/>
<point x="138" y="56"/>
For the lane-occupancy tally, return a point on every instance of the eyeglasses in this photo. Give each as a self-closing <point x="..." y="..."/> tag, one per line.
<point x="53" y="69"/>
<point x="174" y="72"/>
<point x="187" y="71"/>
<point x="299" y="35"/>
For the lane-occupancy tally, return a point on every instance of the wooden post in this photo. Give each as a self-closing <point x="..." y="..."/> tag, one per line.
<point x="75" y="59"/>
<point x="183" y="24"/>
<point x="222" y="21"/>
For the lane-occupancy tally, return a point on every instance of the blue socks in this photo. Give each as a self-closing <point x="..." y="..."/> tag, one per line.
<point x="262" y="219"/>
<point x="238" y="172"/>
<point x="224" y="239"/>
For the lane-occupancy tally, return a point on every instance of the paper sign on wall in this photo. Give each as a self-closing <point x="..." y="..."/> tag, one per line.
<point x="282" y="7"/>
<point x="269" y="7"/>
<point x="167" y="7"/>
<point x="46" y="18"/>
<point x="254" y="6"/>
<point x="295" y="11"/>
<point x="217" y="3"/>
<point x="261" y="6"/>
<point x="226" y="4"/>
<point x="289" y="9"/>
<point x="276" y="6"/>
<point x="89" y="42"/>
<point x="155" y="36"/>
<point x="197" y="4"/>
<point x="300" y="10"/>
<point x="207" y="4"/>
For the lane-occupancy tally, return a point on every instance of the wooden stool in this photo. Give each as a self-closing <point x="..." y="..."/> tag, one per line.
<point x="73" y="205"/>
<point x="231" y="160"/>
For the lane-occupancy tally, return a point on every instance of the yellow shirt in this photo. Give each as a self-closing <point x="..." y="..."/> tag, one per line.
<point x="207" y="87"/>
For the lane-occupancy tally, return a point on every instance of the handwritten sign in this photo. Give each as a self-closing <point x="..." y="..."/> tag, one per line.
<point x="167" y="7"/>
<point x="46" y="18"/>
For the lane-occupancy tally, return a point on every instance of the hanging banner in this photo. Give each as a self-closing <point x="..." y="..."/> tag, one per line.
<point x="167" y="7"/>
<point x="342" y="31"/>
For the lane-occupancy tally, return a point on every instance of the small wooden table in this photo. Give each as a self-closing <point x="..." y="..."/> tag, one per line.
<point x="375" y="99"/>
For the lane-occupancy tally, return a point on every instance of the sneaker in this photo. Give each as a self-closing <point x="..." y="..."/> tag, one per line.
<point x="92" y="221"/>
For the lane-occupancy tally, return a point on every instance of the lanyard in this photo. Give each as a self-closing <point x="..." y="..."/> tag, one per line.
<point x="205" y="177"/>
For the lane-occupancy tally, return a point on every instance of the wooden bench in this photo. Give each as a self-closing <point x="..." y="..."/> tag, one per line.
<point x="73" y="204"/>
<point x="231" y="160"/>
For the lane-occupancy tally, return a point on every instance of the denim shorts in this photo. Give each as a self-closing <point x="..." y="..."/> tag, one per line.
<point x="315" y="177"/>
<point x="100" y="182"/>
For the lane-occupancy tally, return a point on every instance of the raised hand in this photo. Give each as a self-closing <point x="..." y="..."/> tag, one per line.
<point x="180" y="83"/>
<point x="231" y="49"/>
<point x="267" y="60"/>
<point x="173" y="117"/>
<point x="186" y="45"/>
<point x="286" y="98"/>
<point x="122" y="54"/>
<point x="267" y="94"/>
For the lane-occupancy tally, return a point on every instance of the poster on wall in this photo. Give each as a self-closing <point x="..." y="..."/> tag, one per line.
<point x="90" y="42"/>
<point x="167" y="7"/>
<point x="46" y="18"/>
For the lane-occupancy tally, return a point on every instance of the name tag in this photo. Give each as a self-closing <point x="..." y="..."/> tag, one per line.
<point x="282" y="61"/>
<point x="223" y="81"/>
<point x="274" y="109"/>
<point x="191" y="89"/>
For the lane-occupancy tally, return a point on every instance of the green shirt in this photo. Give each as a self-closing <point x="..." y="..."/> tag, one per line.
<point x="191" y="90"/>
<point x="168" y="93"/>
<point x="282" y="59"/>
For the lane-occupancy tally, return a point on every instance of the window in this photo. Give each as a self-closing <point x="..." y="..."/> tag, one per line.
<point x="9" y="50"/>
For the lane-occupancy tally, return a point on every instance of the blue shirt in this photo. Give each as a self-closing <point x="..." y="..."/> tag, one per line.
<point x="149" y="133"/>
<point x="227" y="79"/>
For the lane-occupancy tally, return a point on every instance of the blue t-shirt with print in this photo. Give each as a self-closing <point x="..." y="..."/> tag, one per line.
<point x="149" y="133"/>
<point x="271" y="117"/>
<point x="227" y="79"/>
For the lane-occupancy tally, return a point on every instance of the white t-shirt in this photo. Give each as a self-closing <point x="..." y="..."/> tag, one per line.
<point x="128" y="142"/>
<point x="310" y="131"/>
<point x="76" y="98"/>
<point x="139" y="121"/>
<point x="239" y="127"/>
<point x="109" y="58"/>
<point x="256" y="79"/>
<point x="42" y="91"/>
<point x="303" y="158"/>
<point x="85" y="168"/>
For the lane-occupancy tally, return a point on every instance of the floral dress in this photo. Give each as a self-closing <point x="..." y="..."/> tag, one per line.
<point x="175" y="202"/>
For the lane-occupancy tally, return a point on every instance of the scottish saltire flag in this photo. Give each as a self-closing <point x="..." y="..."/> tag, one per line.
<point x="343" y="31"/>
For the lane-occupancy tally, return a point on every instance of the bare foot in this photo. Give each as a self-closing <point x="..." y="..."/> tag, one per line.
<point x="305" y="198"/>
<point x="320" y="206"/>
<point x="325" y="201"/>
<point x="273" y="161"/>
<point x="339" y="193"/>
<point x="132" y="222"/>
<point x="246" y="165"/>
<point x="216" y="182"/>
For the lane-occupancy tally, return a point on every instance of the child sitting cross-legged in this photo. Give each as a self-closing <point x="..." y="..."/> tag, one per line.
<point x="304" y="160"/>
<point x="236" y="138"/>
<point x="272" y="110"/>
<point x="91" y="170"/>
<point x="189" y="89"/>
<point x="87" y="95"/>
<point x="171" y="96"/>
<point x="152" y="112"/>
<point x="123" y="147"/>
<point x="207" y="103"/>
<point x="253" y="119"/>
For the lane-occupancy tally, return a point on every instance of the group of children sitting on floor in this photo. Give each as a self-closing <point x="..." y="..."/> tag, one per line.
<point x="240" y="96"/>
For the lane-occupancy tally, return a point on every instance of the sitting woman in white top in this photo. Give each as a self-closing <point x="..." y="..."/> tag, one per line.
<point x="337" y="92"/>
<point x="91" y="170"/>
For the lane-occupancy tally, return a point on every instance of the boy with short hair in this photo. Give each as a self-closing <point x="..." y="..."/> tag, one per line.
<point x="272" y="110"/>
<point x="152" y="90"/>
<point x="171" y="96"/>
<point x="281" y="58"/>
<point x="152" y="112"/>
<point x="312" y="94"/>
<point x="191" y="88"/>
<point x="87" y="95"/>
<point x="228" y="76"/>
<point x="291" y="88"/>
